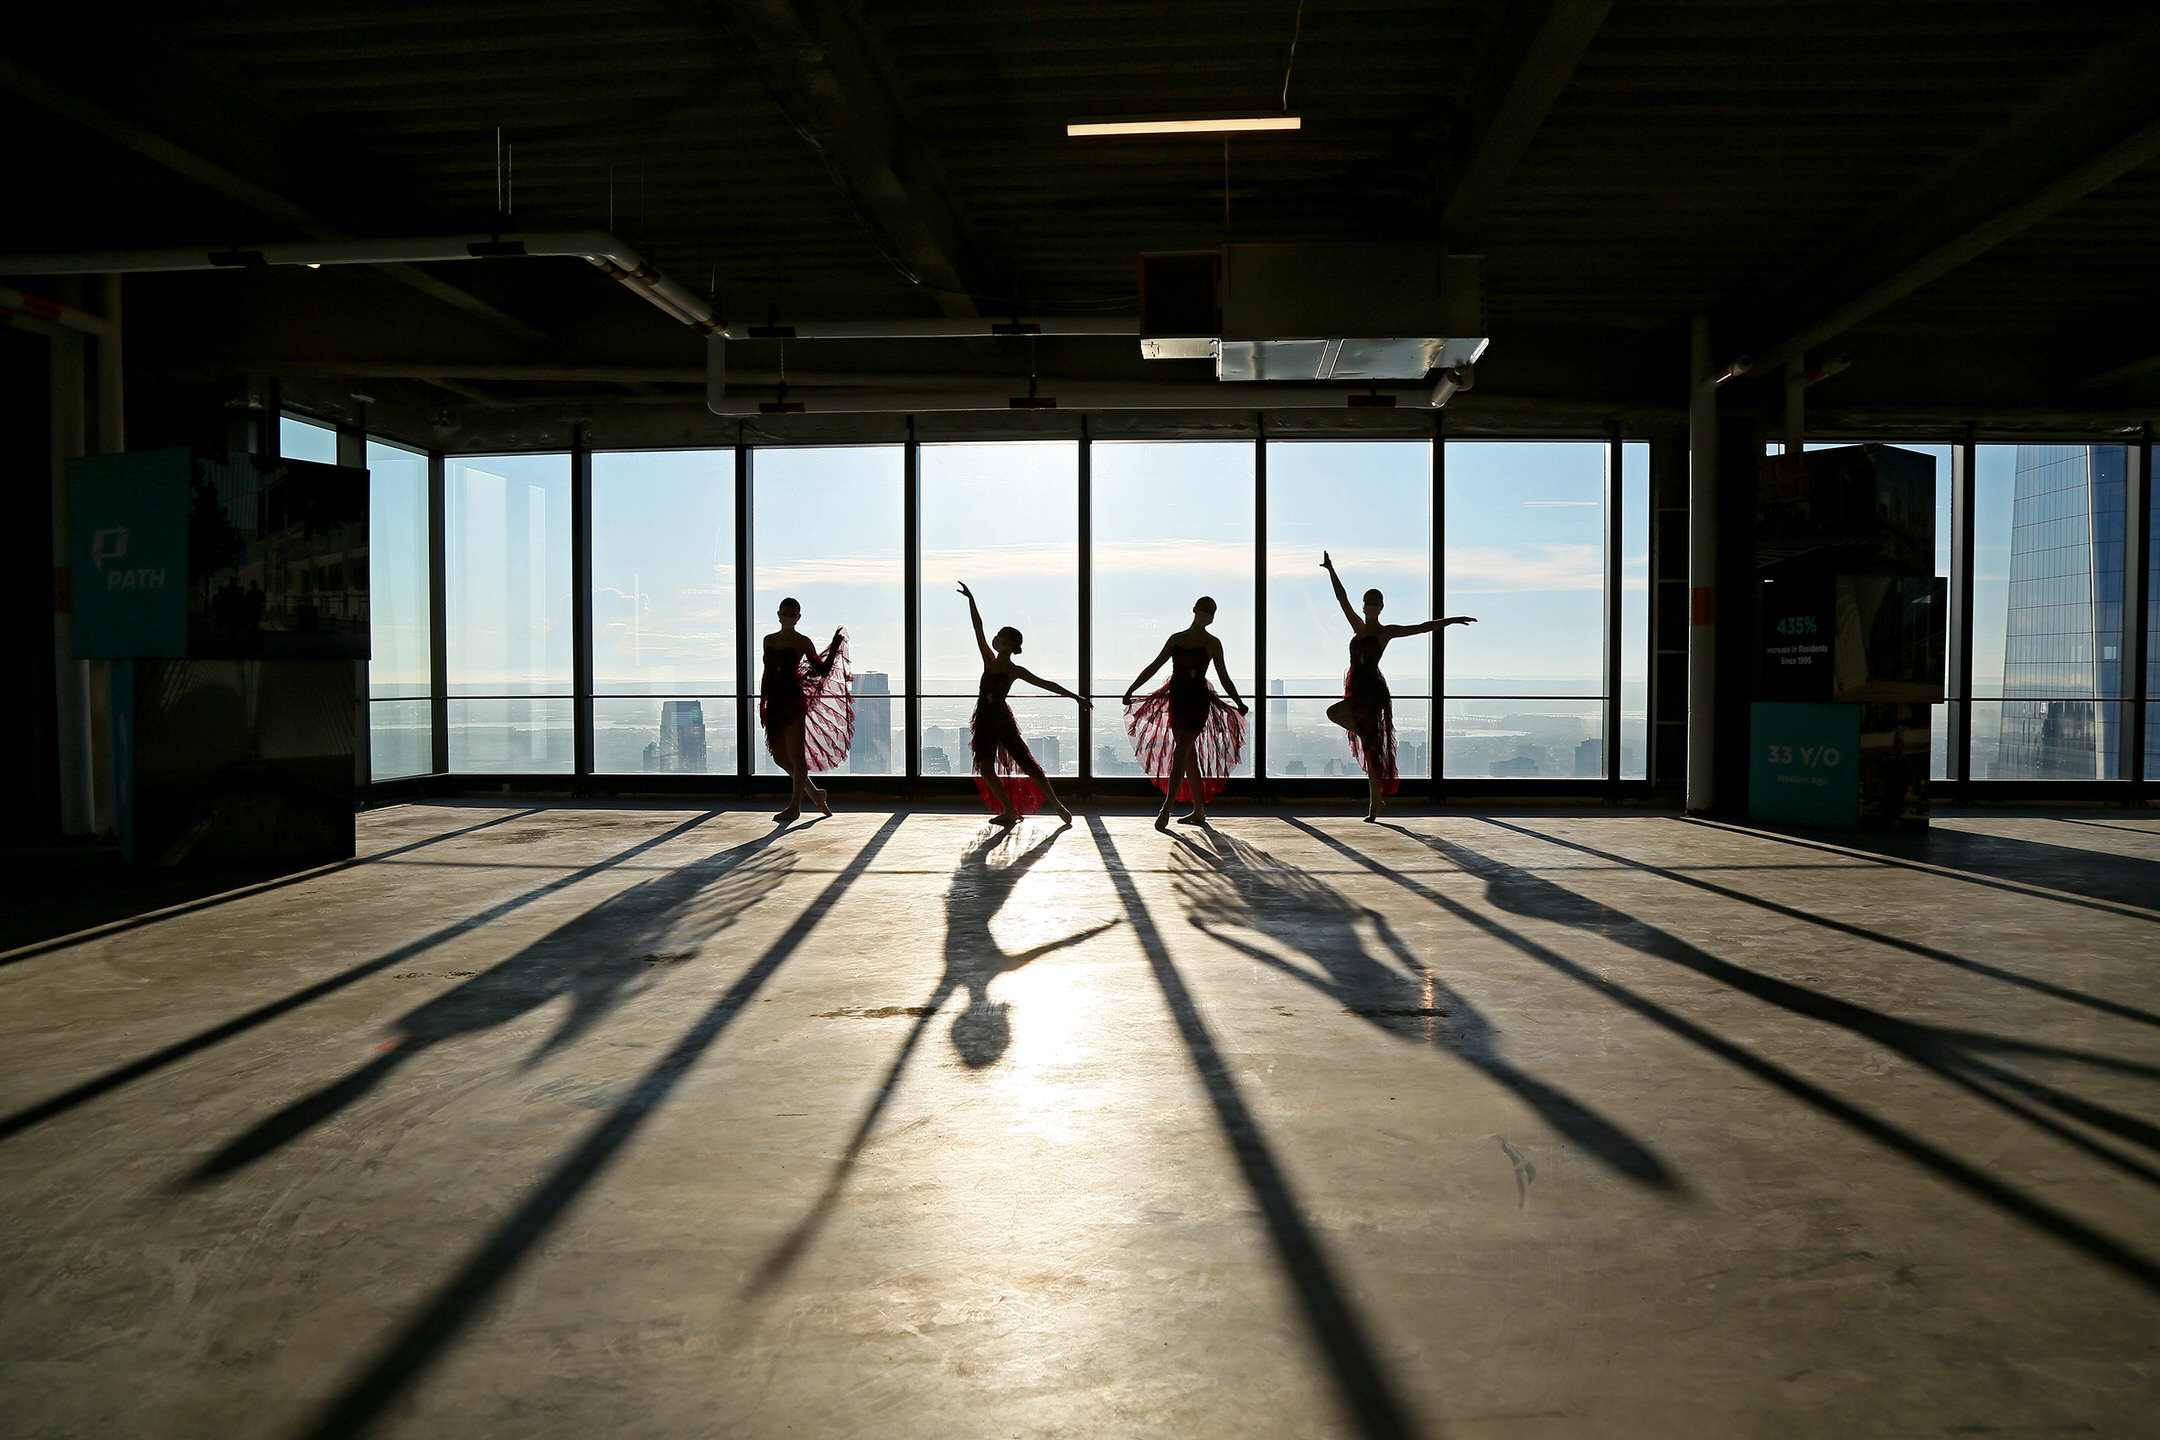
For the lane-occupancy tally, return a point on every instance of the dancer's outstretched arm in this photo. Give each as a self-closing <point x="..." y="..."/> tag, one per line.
<point x="1222" y="671"/>
<point x="1052" y="686"/>
<point x="1342" y="596"/>
<point x="1396" y="632"/>
<point x="1152" y="666"/>
<point x="976" y="616"/>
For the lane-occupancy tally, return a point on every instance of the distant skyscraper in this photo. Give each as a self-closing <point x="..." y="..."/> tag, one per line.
<point x="681" y="746"/>
<point x="1045" y="750"/>
<point x="871" y="752"/>
<point x="2062" y="651"/>
<point x="1278" y="711"/>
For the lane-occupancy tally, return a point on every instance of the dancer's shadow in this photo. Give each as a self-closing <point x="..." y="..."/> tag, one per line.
<point x="1980" y="1063"/>
<point x="601" y="960"/>
<point x="981" y="1033"/>
<point x="1228" y="886"/>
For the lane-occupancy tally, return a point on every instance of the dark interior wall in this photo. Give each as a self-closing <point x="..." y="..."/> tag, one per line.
<point x="30" y="798"/>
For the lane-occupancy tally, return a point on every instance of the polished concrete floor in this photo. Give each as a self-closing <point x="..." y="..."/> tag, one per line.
<point x="619" y="1121"/>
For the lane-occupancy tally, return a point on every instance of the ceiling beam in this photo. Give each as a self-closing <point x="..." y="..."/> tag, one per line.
<point x="2096" y="126"/>
<point x="1531" y="64"/>
<point x="816" y="60"/>
<point x="206" y="172"/>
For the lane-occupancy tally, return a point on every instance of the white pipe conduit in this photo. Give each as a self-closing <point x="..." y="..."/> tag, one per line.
<point x="52" y="312"/>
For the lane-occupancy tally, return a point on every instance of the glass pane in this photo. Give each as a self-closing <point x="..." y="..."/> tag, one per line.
<point x="1173" y="521"/>
<point x="1524" y="739"/>
<point x="401" y="740"/>
<point x="663" y="566"/>
<point x="1368" y="505"/>
<point x="305" y="440"/>
<point x="1634" y="610"/>
<point x="1526" y="555"/>
<point x="1005" y="518"/>
<point x="2048" y="541"/>
<point x="2046" y="739"/>
<point x="827" y="532"/>
<point x="1049" y="725"/>
<point x="1939" y="742"/>
<point x="400" y="661"/>
<point x="678" y="735"/>
<point x="522" y="736"/>
<point x="507" y="528"/>
<point x="1303" y="742"/>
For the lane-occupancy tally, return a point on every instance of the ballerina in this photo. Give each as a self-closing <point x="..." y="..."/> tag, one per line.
<point x="1001" y="756"/>
<point x="1367" y="709"/>
<point x="1187" y="737"/>
<point x="806" y="708"/>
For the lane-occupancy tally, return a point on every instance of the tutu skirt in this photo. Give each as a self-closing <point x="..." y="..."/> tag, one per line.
<point x="1154" y="720"/>
<point x="819" y="693"/>
<point x="1372" y="743"/>
<point x="999" y="751"/>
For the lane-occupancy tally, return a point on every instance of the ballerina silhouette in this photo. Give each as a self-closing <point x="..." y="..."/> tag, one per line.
<point x="805" y="706"/>
<point x="1367" y="709"/>
<point x="1001" y="756"/>
<point x="1187" y="737"/>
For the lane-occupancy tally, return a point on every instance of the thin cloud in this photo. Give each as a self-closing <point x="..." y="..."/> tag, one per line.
<point x="1491" y="570"/>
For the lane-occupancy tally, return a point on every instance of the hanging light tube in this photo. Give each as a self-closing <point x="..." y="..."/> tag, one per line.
<point x="1180" y="124"/>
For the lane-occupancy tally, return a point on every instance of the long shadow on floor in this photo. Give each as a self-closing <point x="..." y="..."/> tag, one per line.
<point x="53" y="898"/>
<point x="1362" y="1384"/>
<point x="181" y="1049"/>
<point x="1910" y="947"/>
<point x="981" y="886"/>
<point x="1227" y="886"/>
<point x="600" y="960"/>
<point x="1522" y="892"/>
<point x="1991" y="860"/>
<point x="467" y="1292"/>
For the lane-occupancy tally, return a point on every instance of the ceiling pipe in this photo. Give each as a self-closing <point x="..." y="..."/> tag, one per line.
<point x="14" y="304"/>
<point x="1072" y="395"/>
<point x="613" y="258"/>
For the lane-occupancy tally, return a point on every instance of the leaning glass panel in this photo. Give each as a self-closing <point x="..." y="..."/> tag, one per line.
<point x="525" y="735"/>
<point x="306" y="440"/>
<point x="401" y="739"/>
<point x="827" y="533"/>
<point x="400" y="662"/>
<point x="507" y="528"/>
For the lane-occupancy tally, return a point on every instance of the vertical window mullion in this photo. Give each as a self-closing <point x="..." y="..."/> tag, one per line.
<point x="438" y="616"/>
<point x="1436" y="673"/>
<point x="1086" y="558"/>
<point x="911" y="597"/>
<point x="1960" y="640"/>
<point x="1260" y="616"/>
<point x="2137" y="600"/>
<point x="745" y="592"/>
<point x="1615" y="491"/>
<point x="581" y="618"/>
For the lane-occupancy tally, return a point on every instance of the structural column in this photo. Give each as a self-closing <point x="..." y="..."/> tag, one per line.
<point x="1702" y="569"/>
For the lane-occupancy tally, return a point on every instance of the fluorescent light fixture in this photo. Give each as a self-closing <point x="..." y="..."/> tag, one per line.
<point x="1181" y="124"/>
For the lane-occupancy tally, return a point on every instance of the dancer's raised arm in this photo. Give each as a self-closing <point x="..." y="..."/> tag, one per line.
<point x="975" y="615"/>
<point x="1222" y="672"/>
<point x="1342" y="596"/>
<point x="1152" y="666"/>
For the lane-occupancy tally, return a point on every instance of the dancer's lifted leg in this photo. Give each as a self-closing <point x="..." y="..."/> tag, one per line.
<point x="1367" y="709"/>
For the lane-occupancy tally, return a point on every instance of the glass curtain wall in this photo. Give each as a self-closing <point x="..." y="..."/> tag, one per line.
<point x="827" y="530"/>
<point x="1173" y="521"/>
<point x="1526" y="554"/>
<point x="2048" y="589"/>
<point x="663" y="612"/>
<point x="507" y="613"/>
<point x="401" y="663"/>
<point x="1005" y="519"/>
<point x="1368" y="505"/>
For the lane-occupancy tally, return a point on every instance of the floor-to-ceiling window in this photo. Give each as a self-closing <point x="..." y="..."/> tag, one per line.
<point x="1173" y="521"/>
<point x="2048" y="589"/>
<point x="1005" y="519"/>
<point x="508" y="613"/>
<point x="826" y="527"/>
<point x="1526" y="552"/>
<point x="663" y="612"/>
<point x="400" y="666"/>
<point x="1367" y="505"/>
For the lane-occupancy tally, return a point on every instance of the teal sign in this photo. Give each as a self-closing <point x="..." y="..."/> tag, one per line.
<point x="1804" y="765"/>
<point x="128" y="553"/>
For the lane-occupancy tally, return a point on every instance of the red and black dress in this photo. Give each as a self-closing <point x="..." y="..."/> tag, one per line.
<point x="818" y="691"/>
<point x="1372" y="711"/>
<point x="1000" y="751"/>
<point x="1186" y="702"/>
